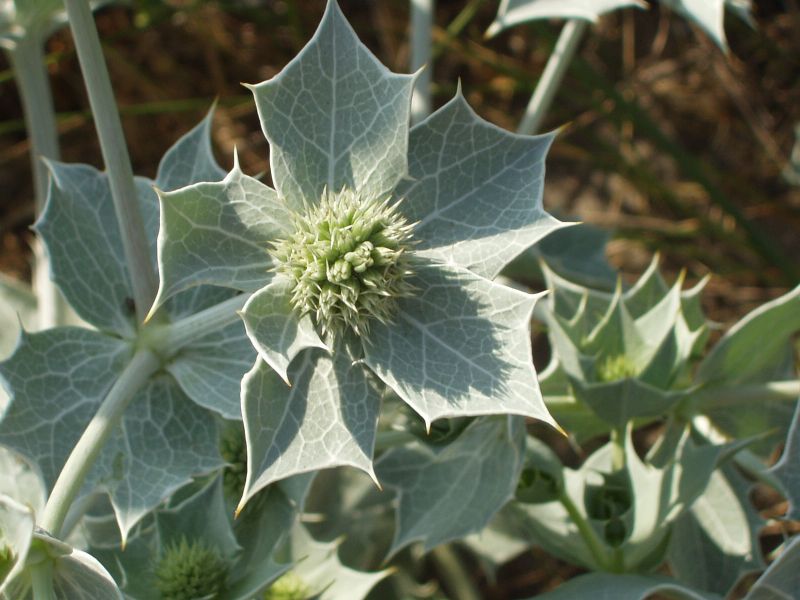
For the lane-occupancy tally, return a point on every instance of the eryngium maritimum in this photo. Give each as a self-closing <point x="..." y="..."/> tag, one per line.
<point x="348" y="261"/>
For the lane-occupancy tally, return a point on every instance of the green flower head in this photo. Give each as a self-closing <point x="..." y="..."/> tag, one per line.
<point x="348" y="261"/>
<point x="187" y="571"/>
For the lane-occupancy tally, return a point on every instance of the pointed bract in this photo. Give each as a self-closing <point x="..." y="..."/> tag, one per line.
<point x="335" y="117"/>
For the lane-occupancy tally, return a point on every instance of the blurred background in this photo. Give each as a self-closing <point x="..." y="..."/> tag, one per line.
<point x="666" y="141"/>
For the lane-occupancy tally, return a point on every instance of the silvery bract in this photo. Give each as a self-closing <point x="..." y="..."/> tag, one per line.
<point x="450" y="341"/>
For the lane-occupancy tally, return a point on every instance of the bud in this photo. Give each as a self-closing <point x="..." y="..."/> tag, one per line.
<point x="348" y="261"/>
<point x="287" y="587"/>
<point x="190" y="571"/>
<point x="614" y="368"/>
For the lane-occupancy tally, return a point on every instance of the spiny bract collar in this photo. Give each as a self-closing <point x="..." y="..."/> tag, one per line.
<point x="348" y="261"/>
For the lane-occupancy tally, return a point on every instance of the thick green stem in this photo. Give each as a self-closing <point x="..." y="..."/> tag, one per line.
<point x="455" y="576"/>
<point x="421" y="56"/>
<point x="115" y="154"/>
<point x="142" y="366"/>
<point x="596" y="546"/>
<point x="618" y="438"/>
<point x="27" y="62"/>
<point x="167" y="340"/>
<point x="550" y="82"/>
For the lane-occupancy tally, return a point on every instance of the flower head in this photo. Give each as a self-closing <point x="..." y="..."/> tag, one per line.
<point x="190" y="570"/>
<point x="347" y="260"/>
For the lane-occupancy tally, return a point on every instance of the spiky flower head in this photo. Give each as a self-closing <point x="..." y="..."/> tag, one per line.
<point x="188" y="571"/>
<point x="348" y="261"/>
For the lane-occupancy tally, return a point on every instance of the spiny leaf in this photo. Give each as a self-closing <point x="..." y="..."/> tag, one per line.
<point x="327" y="418"/>
<point x="460" y="347"/>
<point x="335" y="117"/>
<point x="275" y="328"/>
<point x="219" y="234"/>
<point x="448" y="492"/>
<point x="475" y="190"/>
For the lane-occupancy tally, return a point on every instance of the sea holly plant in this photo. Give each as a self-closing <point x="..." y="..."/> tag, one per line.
<point x="369" y="264"/>
<point x="364" y="286"/>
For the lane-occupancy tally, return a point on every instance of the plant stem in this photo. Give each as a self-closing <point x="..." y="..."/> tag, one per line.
<point x="553" y="74"/>
<point x="589" y="535"/>
<point x="618" y="438"/>
<point x="42" y="581"/>
<point x="27" y="62"/>
<point x="115" y="154"/>
<point x="455" y="576"/>
<point x="421" y="56"/>
<point x="167" y="340"/>
<point x="143" y="364"/>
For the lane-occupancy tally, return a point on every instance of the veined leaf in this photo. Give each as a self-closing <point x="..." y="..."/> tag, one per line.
<point x="475" y="190"/>
<point x="327" y="418"/>
<point x="275" y="329"/>
<point x="448" y="492"/>
<point x="162" y="441"/>
<point x="459" y="347"/>
<point x="219" y="234"/>
<point x="335" y="117"/>
<point x="190" y="160"/>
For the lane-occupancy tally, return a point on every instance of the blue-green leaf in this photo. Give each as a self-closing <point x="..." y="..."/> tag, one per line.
<point x="56" y="380"/>
<point x="335" y="117"/>
<point x="275" y="329"/>
<point x="459" y="347"/>
<point x="190" y="160"/>
<point x="448" y="492"/>
<point x="79" y="229"/>
<point x="219" y="234"/>
<point x="210" y="370"/>
<point x="327" y="418"/>
<point x="475" y="190"/>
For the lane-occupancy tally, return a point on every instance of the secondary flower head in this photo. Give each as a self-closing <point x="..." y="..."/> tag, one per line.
<point x="190" y="570"/>
<point x="347" y="260"/>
